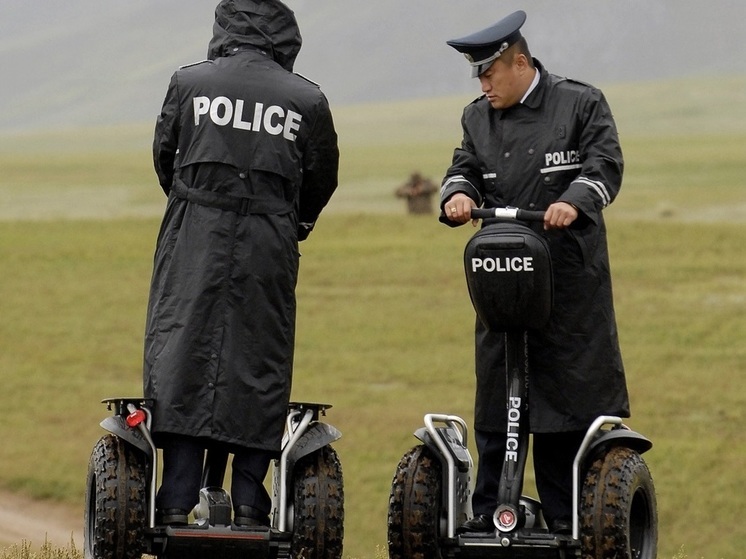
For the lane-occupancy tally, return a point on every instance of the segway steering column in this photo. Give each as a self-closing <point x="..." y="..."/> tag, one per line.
<point x="508" y="271"/>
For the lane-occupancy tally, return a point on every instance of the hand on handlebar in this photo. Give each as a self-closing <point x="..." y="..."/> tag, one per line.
<point x="560" y="215"/>
<point x="458" y="208"/>
<point x="557" y="216"/>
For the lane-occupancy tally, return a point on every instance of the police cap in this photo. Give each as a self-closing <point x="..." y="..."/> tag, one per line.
<point x="482" y="48"/>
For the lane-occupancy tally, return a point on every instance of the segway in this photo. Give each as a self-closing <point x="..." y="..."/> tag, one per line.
<point x="307" y="503"/>
<point x="509" y="277"/>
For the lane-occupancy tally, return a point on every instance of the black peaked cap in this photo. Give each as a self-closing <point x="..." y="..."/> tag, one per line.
<point x="485" y="46"/>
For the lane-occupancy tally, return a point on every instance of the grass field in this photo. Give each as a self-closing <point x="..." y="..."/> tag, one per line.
<point x="384" y="320"/>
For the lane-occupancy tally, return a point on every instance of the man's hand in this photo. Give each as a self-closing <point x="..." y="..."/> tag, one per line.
<point x="458" y="208"/>
<point x="560" y="215"/>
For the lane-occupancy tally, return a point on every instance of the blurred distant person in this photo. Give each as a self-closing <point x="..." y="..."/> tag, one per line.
<point x="418" y="192"/>
<point x="247" y="153"/>
<point x="541" y="142"/>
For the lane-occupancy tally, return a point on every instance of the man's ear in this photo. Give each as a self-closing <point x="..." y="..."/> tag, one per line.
<point x="521" y="62"/>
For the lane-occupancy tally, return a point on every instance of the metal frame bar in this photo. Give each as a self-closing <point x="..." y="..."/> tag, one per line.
<point x="144" y="429"/>
<point x="460" y="427"/>
<point x="599" y="422"/>
<point x="293" y="435"/>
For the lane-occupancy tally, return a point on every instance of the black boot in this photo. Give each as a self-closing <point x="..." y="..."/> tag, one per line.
<point x="173" y="517"/>
<point x="481" y="523"/>
<point x="561" y="527"/>
<point x="249" y="516"/>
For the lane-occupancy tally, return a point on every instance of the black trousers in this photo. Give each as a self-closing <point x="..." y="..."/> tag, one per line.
<point x="553" y="455"/>
<point x="183" y="459"/>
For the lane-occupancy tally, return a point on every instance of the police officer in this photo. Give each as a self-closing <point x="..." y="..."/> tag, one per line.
<point x="247" y="153"/>
<point x="537" y="141"/>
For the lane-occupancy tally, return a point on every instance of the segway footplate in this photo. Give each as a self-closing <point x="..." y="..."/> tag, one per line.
<point x="223" y="542"/>
<point x="520" y="545"/>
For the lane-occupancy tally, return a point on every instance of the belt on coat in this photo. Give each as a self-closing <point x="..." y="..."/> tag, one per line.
<point x="239" y="204"/>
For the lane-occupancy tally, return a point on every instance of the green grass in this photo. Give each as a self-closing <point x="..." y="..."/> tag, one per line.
<point x="25" y="550"/>
<point x="384" y="321"/>
<point x="384" y="334"/>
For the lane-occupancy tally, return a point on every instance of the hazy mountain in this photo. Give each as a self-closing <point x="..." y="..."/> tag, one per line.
<point x="98" y="62"/>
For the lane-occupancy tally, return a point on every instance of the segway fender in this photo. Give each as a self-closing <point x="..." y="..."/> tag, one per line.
<point x="115" y="425"/>
<point x="317" y="436"/>
<point x="425" y="437"/>
<point x="458" y="452"/>
<point x="456" y="466"/>
<point x="428" y="441"/>
<point x="620" y="437"/>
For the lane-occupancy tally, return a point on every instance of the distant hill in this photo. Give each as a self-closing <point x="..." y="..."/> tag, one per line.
<point x="90" y="62"/>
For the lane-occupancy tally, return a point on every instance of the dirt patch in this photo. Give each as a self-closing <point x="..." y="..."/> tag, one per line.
<point x="24" y="519"/>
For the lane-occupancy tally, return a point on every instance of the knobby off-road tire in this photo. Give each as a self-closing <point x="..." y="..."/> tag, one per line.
<point x="116" y="501"/>
<point x="318" y="517"/>
<point x="414" y="506"/>
<point x="618" y="511"/>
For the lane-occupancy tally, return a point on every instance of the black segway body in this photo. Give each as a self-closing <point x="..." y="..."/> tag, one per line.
<point x="509" y="277"/>
<point x="308" y="496"/>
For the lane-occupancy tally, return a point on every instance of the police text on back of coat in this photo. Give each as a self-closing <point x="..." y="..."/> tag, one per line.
<point x="222" y="112"/>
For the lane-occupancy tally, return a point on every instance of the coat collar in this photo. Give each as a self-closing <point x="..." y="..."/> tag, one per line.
<point x="533" y="101"/>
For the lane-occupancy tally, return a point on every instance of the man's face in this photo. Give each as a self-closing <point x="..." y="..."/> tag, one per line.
<point x="502" y="83"/>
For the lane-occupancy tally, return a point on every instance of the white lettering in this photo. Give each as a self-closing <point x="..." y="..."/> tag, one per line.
<point x="514" y="418"/>
<point x="238" y="121"/>
<point x="506" y="264"/>
<point x="562" y="157"/>
<point x="201" y="106"/>
<point x="258" y="108"/>
<point x="215" y="106"/>
<point x="274" y="120"/>
<point x="292" y="125"/>
<point x="271" y="112"/>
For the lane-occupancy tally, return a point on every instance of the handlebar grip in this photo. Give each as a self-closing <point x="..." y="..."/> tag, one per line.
<point x="530" y="215"/>
<point x="482" y="213"/>
<point x="507" y="213"/>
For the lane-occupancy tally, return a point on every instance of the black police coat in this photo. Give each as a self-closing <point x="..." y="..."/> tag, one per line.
<point x="561" y="144"/>
<point x="247" y="153"/>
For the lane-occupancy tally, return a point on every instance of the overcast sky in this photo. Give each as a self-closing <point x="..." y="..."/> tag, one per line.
<point x="92" y="62"/>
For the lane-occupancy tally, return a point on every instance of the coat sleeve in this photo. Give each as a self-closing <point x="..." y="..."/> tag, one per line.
<point x="464" y="174"/>
<point x="600" y="178"/>
<point x="166" y="137"/>
<point x="320" y="169"/>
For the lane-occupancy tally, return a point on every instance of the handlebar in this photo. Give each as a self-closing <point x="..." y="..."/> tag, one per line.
<point x="507" y="213"/>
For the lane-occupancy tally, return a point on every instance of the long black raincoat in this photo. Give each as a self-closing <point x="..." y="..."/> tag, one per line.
<point x="560" y="144"/>
<point x="247" y="153"/>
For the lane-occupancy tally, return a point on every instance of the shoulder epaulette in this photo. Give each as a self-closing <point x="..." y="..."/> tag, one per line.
<point x="586" y="84"/>
<point x="305" y="78"/>
<point x="193" y="64"/>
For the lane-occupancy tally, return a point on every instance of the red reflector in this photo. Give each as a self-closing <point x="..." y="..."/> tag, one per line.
<point x="135" y="418"/>
<point x="507" y="518"/>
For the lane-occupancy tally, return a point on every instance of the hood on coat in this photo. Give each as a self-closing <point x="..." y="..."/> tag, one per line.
<point x="266" y="25"/>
